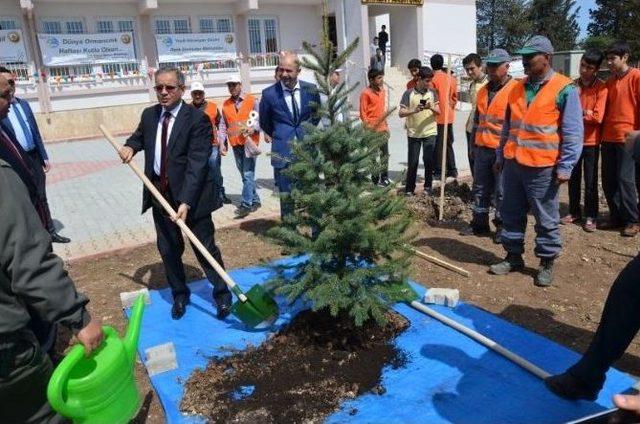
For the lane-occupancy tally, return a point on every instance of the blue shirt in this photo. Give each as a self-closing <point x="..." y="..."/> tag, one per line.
<point x="571" y="125"/>
<point x="25" y="140"/>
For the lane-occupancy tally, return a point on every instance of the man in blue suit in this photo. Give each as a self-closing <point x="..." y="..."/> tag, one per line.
<point x="284" y="108"/>
<point x="21" y="127"/>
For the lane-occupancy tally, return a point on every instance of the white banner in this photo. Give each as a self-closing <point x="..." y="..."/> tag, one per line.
<point x="12" y="46"/>
<point x="196" y="47"/>
<point x="86" y="49"/>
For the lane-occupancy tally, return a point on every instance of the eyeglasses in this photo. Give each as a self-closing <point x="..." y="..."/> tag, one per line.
<point x="169" y="88"/>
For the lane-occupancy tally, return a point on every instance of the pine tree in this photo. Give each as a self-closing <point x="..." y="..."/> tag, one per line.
<point x="352" y="231"/>
<point x="558" y="20"/>
<point x="502" y="24"/>
<point x="616" y="20"/>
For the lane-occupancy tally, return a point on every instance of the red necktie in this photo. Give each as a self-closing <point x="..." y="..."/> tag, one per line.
<point x="164" y="180"/>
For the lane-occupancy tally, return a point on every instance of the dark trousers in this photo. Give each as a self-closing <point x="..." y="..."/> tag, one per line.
<point x="618" y="326"/>
<point x="452" y="171"/>
<point x="619" y="183"/>
<point x="40" y="179"/>
<point x="283" y="184"/>
<point x="382" y="160"/>
<point x="487" y="189"/>
<point x="171" y="247"/>
<point x="428" y="145"/>
<point x="587" y="165"/>
<point x="536" y="188"/>
<point x="471" y="147"/>
<point x="25" y="370"/>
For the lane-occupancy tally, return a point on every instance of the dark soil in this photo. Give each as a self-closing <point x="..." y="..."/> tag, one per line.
<point x="301" y="374"/>
<point x="456" y="203"/>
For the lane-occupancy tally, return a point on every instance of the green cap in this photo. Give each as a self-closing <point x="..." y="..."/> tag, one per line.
<point x="537" y="44"/>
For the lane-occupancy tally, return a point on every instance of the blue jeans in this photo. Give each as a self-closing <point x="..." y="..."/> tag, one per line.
<point x="247" y="168"/>
<point x="284" y="187"/>
<point x="536" y="188"/>
<point x="487" y="189"/>
<point x="215" y="163"/>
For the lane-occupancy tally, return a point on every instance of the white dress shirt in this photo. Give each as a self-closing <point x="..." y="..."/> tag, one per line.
<point x="287" y="97"/>
<point x="25" y="140"/>
<point x="158" y="151"/>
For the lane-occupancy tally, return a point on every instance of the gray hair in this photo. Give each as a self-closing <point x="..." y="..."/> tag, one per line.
<point x="177" y="72"/>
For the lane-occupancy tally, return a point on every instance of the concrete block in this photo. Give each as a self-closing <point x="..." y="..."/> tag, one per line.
<point x="161" y="358"/>
<point x="127" y="298"/>
<point x="441" y="296"/>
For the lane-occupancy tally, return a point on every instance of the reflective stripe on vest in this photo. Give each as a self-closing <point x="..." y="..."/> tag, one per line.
<point x="491" y="115"/>
<point x="234" y="117"/>
<point x="534" y="139"/>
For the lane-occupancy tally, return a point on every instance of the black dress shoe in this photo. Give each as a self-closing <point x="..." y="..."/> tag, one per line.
<point x="570" y="387"/>
<point x="57" y="238"/>
<point x="223" y="311"/>
<point x="179" y="308"/>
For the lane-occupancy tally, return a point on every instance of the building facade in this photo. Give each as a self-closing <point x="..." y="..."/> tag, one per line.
<point x="84" y="62"/>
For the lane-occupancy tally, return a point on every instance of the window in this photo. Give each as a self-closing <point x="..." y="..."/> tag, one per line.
<point x="9" y="23"/>
<point x="104" y="27"/>
<point x="63" y="26"/>
<point x="263" y="35"/>
<point x="218" y="24"/>
<point x="166" y="25"/>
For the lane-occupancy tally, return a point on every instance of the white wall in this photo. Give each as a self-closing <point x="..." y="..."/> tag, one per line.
<point x="450" y="26"/>
<point x="405" y="23"/>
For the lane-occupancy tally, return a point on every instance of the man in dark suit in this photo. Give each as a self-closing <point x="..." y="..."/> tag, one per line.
<point x="176" y="139"/>
<point x="20" y="125"/>
<point x="284" y="108"/>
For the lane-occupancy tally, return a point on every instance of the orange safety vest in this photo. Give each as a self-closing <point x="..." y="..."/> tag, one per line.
<point x="234" y="117"/>
<point x="491" y="115"/>
<point x="211" y="110"/>
<point x="534" y="139"/>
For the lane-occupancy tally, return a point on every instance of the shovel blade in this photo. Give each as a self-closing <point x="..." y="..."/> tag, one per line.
<point x="259" y="311"/>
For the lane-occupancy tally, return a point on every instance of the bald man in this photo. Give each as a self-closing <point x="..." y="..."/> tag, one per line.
<point x="284" y="108"/>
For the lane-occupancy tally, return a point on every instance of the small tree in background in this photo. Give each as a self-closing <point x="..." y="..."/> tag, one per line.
<point x="352" y="231"/>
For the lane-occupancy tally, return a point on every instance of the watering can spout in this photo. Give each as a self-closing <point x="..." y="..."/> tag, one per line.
<point x="133" y="331"/>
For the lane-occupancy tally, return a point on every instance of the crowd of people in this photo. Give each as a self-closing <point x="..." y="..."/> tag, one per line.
<point x="525" y="139"/>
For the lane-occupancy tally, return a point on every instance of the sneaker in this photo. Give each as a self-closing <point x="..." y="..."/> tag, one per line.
<point x="568" y="386"/>
<point x="256" y="206"/>
<point x="590" y="225"/>
<point x="568" y="219"/>
<point x="631" y="230"/>
<point x="409" y="194"/>
<point x="384" y="182"/>
<point x="449" y="180"/>
<point x="242" y="211"/>
<point x="544" y="277"/>
<point x="511" y="263"/>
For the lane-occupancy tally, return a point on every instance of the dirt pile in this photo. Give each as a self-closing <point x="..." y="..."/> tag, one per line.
<point x="299" y="375"/>
<point x="457" y="198"/>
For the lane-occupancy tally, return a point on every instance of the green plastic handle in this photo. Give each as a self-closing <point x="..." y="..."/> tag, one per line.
<point x="57" y="382"/>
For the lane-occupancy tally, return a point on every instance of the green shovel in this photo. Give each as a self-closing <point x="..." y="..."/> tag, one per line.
<point x="256" y="308"/>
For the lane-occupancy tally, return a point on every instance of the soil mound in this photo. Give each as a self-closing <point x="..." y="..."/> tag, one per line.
<point x="300" y="374"/>
<point x="457" y="198"/>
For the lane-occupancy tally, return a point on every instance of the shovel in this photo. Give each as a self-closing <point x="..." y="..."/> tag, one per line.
<point x="256" y="308"/>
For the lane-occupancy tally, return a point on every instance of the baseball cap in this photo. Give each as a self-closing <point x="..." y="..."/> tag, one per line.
<point x="234" y="79"/>
<point x="497" y="56"/>
<point x="537" y="44"/>
<point x="197" y="86"/>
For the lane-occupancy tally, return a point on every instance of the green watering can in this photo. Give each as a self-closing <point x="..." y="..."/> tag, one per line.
<point x="100" y="389"/>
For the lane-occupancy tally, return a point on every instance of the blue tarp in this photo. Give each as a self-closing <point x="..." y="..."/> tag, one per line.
<point x="448" y="378"/>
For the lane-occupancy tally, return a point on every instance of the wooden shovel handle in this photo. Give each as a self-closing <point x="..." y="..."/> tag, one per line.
<point x="183" y="226"/>
<point x="437" y="261"/>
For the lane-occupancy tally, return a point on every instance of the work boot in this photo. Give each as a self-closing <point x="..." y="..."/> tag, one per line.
<point x="568" y="386"/>
<point x="631" y="230"/>
<point x="544" y="277"/>
<point x="511" y="263"/>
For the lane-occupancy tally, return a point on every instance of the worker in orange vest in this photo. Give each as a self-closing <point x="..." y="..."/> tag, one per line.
<point x="491" y="104"/>
<point x="540" y="144"/>
<point x="236" y="111"/>
<point x="211" y="110"/>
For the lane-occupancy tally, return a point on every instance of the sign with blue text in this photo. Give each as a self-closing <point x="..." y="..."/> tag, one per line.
<point x="196" y="47"/>
<point x="86" y="49"/>
<point x="12" y="46"/>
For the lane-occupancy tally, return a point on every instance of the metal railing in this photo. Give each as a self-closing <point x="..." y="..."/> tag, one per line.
<point x="22" y="71"/>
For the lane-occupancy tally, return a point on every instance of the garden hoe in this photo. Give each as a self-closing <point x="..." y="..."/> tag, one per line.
<point x="256" y="308"/>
